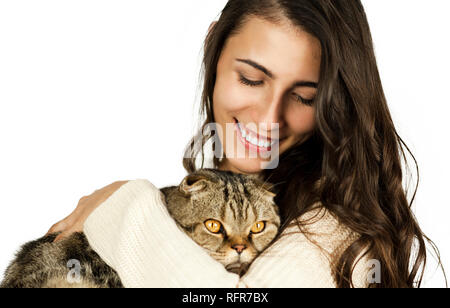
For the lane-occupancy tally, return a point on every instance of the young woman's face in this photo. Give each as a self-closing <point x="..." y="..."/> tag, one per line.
<point x="265" y="76"/>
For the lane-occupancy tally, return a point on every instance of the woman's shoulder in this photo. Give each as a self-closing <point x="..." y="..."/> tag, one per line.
<point x="323" y="229"/>
<point x="319" y="230"/>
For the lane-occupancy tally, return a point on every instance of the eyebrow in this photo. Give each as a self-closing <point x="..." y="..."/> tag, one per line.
<point x="258" y="66"/>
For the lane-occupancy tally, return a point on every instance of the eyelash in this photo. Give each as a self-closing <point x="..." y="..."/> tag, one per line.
<point x="245" y="81"/>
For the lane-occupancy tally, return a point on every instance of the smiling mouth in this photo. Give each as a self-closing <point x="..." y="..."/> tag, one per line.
<point x="254" y="141"/>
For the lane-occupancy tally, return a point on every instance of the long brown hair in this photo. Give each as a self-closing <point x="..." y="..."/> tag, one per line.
<point x="355" y="150"/>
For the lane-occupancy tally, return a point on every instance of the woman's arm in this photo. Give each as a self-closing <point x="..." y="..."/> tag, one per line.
<point x="87" y="204"/>
<point x="134" y="233"/>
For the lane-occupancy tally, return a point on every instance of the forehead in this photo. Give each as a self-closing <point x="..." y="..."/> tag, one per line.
<point x="284" y="49"/>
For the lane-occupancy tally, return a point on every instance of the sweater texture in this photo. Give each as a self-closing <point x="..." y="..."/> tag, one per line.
<point x="133" y="233"/>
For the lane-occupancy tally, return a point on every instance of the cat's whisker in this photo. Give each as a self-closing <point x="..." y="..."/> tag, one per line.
<point x="266" y="181"/>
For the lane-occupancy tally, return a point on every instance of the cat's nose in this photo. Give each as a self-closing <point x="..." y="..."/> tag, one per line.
<point x="239" y="247"/>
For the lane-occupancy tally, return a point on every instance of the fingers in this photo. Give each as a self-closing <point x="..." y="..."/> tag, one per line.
<point x="77" y="227"/>
<point x="66" y="233"/>
<point x="62" y="236"/>
<point x="59" y="226"/>
<point x="75" y="221"/>
<point x="68" y="225"/>
<point x="82" y="199"/>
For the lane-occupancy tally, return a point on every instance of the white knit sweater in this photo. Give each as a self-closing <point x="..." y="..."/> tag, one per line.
<point x="133" y="233"/>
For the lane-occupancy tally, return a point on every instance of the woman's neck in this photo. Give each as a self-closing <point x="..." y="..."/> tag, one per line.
<point x="225" y="165"/>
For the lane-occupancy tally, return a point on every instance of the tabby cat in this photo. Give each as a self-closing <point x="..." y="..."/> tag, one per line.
<point x="232" y="216"/>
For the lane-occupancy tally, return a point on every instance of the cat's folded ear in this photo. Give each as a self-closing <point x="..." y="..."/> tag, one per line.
<point x="193" y="183"/>
<point x="266" y="188"/>
<point x="268" y="191"/>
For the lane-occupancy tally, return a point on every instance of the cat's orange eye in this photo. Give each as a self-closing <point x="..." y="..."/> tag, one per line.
<point x="258" y="227"/>
<point x="213" y="225"/>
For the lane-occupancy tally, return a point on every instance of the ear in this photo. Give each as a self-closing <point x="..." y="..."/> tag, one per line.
<point x="267" y="188"/>
<point x="192" y="183"/>
<point x="268" y="191"/>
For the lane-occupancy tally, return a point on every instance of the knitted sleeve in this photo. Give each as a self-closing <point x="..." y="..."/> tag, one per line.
<point x="133" y="232"/>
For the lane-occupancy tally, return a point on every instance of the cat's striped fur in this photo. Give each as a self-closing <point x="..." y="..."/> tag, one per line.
<point x="236" y="201"/>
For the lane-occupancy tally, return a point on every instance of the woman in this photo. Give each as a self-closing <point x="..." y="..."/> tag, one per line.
<point x="308" y="67"/>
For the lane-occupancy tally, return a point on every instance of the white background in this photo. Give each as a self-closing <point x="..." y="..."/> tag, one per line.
<point x="92" y="92"/>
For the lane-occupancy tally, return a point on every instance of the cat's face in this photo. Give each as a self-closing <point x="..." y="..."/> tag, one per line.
<point x="232" y="216"/>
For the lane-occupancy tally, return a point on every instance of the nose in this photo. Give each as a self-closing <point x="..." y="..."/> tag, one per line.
<point x="271" y="114"/>
<point x="239" y="247"/>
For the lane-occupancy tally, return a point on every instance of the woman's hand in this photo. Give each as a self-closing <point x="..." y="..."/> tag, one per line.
<point x="87" y="204"/>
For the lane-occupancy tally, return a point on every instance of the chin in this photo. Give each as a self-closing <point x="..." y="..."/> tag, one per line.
<point x="247" y="165"/>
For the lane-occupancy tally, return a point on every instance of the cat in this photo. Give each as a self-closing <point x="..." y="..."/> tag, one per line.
<point x="232" y="216"/>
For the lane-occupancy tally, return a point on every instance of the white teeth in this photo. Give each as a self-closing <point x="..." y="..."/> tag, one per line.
<point x="243" y="133"/>
<point x="253" y="140"/>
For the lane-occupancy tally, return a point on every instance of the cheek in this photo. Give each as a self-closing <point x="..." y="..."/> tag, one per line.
<point x="301" y="119"/>
<point x="229" y="98"/>
<point x="230" y="101"/>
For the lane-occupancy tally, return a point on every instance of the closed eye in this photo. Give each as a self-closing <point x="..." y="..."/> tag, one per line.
<point x="252" y="83"/>
<point x="248" y="82"/>
<point x="307" y="102"/>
